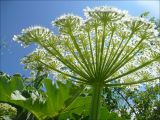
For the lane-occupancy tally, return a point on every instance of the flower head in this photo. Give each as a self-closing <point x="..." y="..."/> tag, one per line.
<point x="105" y="14"/>
<point x="67" y="23"/>
<point x="7" y="110"/>
<point x="32" y="34"/>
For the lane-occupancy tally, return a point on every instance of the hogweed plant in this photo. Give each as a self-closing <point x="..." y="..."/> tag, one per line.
<point x="108" y="48"/>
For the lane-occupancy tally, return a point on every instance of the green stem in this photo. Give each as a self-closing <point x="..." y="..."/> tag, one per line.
<point x="132" y="83"/>
<point x="95" y="103"/>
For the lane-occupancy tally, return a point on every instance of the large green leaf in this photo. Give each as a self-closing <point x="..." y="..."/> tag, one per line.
<point x="8" y="85"/>
<point x="55" y="101"/>
<point x="58" y="96"/>
<point x="80" y="107"/>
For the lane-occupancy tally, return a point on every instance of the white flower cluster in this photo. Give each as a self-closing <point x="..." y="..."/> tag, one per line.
<point x="33" y="34"/>
<point x="66" y="18"/>
<point x="105" y="13"/>
<point x="34" y="62"/>
<point x="31" y="61"/>
<point x="140" y="24"/>
<point x="34" y="28"/>
<point x="67" y="23"/>
<point x="35" y="96"/>
<point x="107" y="9"/>
<point x="7" y="111"/>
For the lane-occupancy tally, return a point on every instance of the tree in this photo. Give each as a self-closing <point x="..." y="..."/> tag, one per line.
<point x="106" y="49"/>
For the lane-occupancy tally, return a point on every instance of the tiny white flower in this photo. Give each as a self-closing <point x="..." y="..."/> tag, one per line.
<point x="34" y="97"/>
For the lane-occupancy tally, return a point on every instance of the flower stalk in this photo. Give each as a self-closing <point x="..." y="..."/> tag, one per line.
<point x="95" y="103"/>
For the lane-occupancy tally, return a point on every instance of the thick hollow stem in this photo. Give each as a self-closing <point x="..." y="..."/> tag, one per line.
<point x="95" y="103"/>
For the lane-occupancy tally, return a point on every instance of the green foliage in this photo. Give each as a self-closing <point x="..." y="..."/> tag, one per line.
<point x="62" y="100"/>
<point x="77" y="109"/>
<point x="55" y="96"/>
<point x="106" y="115"/>
<point x="8" y="85"/>
<point x="109" y="99"/>
<point x="66" y="100"/>
<point x="147" y="103"/>
<point x="142" y="103"/>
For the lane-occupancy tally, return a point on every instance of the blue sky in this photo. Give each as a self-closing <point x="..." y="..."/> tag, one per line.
<point x="16" y="15"/>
